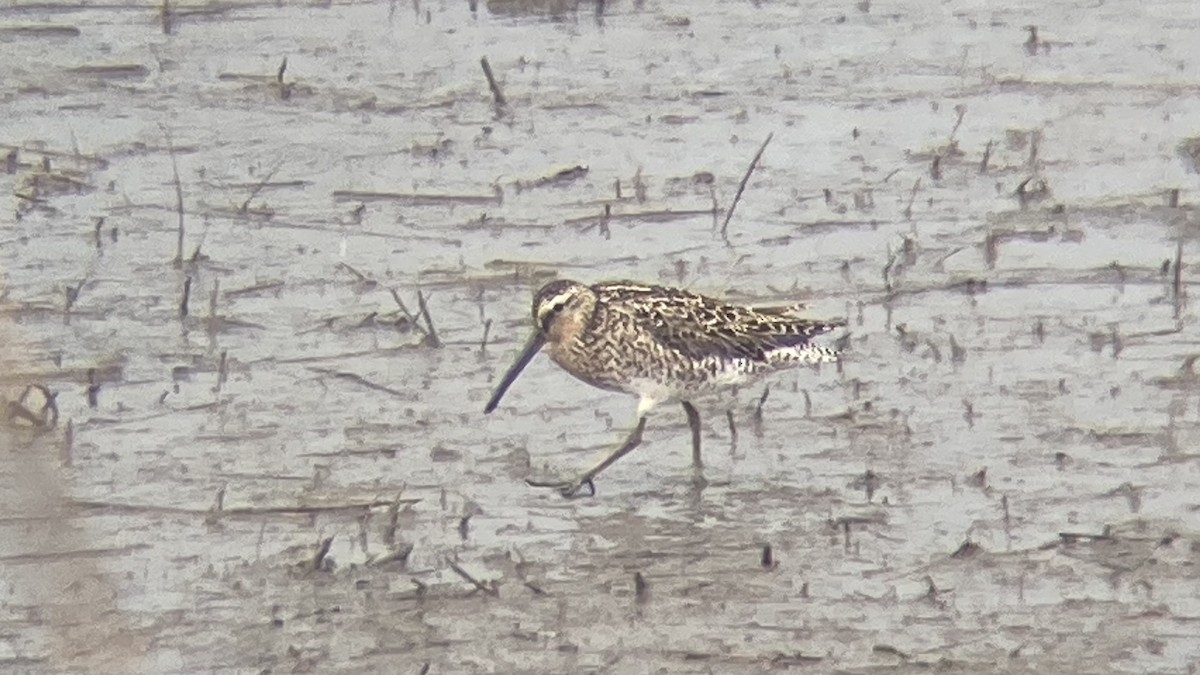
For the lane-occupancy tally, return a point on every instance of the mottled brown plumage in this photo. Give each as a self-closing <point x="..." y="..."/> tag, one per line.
<point x="661" y="344"/>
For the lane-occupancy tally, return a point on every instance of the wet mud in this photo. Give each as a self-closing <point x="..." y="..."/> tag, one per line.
<point x="263" y="262"/>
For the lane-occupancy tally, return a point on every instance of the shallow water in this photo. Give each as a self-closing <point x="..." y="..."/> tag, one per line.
<point x="1002" y="474"/>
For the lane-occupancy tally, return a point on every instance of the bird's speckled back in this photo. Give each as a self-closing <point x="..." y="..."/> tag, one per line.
<point x="667" y="342"/>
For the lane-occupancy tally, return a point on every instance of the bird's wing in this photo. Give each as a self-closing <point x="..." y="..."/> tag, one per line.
<point x="700" y="327"/>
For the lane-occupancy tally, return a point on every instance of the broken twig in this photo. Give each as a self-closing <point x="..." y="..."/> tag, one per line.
<point x="178" y="194"/>
<point x="742" y="186"/>
<point x="318" y="562"/>
<point x="431" y="338"/>
<point x="479" y="585"/>
<point x="497" y="95"/>
<point x="187" y="294"/>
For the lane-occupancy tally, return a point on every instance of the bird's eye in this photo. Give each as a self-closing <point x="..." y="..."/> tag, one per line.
<point x="552" y="310"/>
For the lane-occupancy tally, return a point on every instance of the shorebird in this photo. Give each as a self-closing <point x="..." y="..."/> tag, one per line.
<point x="661" y="344"/>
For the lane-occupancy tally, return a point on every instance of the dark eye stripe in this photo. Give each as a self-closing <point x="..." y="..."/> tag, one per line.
<point x="553" y="311"/>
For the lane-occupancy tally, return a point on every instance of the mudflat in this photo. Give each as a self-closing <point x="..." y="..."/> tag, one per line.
<point x="263" y="262"/>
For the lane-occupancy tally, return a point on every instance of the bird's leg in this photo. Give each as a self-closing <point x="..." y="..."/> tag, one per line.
<point x="570" y="488"/>
<point x="693" y="416"/>
<point x="694" y="422"/>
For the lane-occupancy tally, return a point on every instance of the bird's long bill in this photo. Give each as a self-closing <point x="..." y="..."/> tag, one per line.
<point x="531" y="349"/>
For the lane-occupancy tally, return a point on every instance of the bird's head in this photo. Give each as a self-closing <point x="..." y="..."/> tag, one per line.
<point x="558" y="307"/>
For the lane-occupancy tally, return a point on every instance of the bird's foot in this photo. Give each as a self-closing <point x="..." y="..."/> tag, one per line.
<point x="569" y="489"/>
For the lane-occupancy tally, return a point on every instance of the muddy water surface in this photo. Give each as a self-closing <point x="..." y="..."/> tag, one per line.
<point x="290" y="471"/>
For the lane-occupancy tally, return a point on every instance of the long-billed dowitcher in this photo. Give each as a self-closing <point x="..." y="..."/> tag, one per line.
<point x="662" y="344"/>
